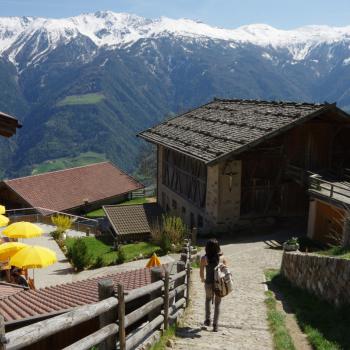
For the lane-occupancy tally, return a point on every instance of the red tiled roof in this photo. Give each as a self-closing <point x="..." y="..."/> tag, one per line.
<point x="62" y="297"/>
<point x="7" y="289"/>
<point x="8" y="125"/>
<point x="70" y="188"/>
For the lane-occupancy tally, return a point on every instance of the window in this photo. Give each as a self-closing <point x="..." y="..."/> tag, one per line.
<point x="200" y="221"/>
<point x="183" y="210"/>
<point x="192" y="222"/>
<point x="174" y="204"/>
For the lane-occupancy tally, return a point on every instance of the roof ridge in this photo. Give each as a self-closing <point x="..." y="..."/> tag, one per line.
<point x="129" y="205"/>
<point x="282" y="102"/>
<point x="62" y="170"/>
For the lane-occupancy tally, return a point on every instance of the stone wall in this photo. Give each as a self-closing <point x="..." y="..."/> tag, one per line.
<point x="326" y="277"/>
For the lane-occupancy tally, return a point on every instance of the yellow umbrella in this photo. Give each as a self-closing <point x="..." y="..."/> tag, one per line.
<point x="32" y="257"/>
<point x="22" y="229"/>
<point x="2" y="209"/>
<point x="7" y="250"/>
<point x="4" y="220"/>
<point x="154" y="261"/>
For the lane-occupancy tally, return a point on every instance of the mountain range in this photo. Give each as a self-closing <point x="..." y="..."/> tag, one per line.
<point x="84" y="86"/>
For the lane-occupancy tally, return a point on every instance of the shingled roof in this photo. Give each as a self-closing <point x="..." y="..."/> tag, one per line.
<point x="227" y="127"/>
<point x="70" y="188"/>
<point x="132" y="219"/>
<point x="8" y="125"/>
<point x="60" y="298"/>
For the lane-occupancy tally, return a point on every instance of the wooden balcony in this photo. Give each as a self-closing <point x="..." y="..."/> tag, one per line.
<point x="337" y="190"/>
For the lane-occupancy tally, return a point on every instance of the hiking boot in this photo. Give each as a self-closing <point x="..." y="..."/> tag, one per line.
<point x="215" y="327"/>
<point x="207" y="323"/>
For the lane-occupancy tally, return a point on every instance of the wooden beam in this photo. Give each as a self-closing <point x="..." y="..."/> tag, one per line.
<point x="121" y="317"/>
<point x="138" y="335"/>
<point x="95" y="338"/>
<point x="105" y="291"/>
<point x="33" y="333"/>
<point x="143" y="311"/>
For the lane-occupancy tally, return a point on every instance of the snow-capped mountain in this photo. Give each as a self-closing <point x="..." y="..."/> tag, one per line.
<point x="113" y="30"/>
<point x="87" y="84"/>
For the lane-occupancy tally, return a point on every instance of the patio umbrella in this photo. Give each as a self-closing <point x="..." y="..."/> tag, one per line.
<point x="4" y="220"/>
<point x="33" y="257"/>
<point x="2" y="209"/>
<point x="154" y="261"/>
<point x="22" y="229"/>
<point x="7" y="250"/>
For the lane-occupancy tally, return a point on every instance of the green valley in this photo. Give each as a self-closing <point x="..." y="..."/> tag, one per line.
<point x="67" y="162"/>
<point x="86" y="99"/>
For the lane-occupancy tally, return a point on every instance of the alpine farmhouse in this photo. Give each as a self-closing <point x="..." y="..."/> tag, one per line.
<point x="230" y="162"/>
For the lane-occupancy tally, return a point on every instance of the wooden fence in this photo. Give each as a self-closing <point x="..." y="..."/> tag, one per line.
<point x="42" y="215"/>
<point x="168" y="295"/>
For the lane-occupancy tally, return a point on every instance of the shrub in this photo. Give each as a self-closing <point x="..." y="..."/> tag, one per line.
<point x="99" y="262"/>
<point x="165" y="243"/>
<point x="56" y="235"/>
<point x="79" y="254"/>
<point x="174" y="228"/>
<point x="62" y="222"/>
<point x="121" y="256"/>
<point x="169" y="233"/>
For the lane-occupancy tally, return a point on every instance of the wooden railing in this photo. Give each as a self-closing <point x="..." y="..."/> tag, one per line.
<point x="329" y="189"/>
<point x="168" y="295"/>
<point x="42" y="215"/>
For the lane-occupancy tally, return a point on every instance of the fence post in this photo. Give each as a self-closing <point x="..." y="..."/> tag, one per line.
<point x="166" y="300"/>
<point x="121" y="317"/>
<point x="2" y="333"/>
<point x="188" y="282"/>
<point x="181" y="266"/>
<point x="156" y="275"/>
<point x="105" y="291"/>
<point x="194" y="235"/>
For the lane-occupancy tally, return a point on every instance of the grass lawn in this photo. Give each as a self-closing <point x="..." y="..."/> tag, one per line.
<point x="326" y="327"/>
<point x="338" y="252"/>
<point x="86" y="99"/>
<point x="276" y="319"/>
<point x="102" y="247"/>
<point x="99" y="212"/>
<point x="64" y="163"/>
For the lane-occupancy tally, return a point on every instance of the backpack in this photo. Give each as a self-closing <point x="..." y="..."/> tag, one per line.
<point x="223" y="282"/>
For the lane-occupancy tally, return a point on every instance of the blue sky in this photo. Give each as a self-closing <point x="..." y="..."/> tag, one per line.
<point x="223" y="13"/>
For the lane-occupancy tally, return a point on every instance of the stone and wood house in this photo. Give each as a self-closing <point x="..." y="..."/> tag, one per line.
<point x="228" y="162"/>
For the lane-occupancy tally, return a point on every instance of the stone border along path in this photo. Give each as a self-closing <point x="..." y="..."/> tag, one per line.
<point x="242" y="323"/>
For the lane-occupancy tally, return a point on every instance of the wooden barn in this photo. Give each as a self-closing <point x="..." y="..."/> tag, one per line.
<point x="229" y="162"/>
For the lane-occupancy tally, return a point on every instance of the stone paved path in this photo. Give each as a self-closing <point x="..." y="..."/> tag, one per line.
<point x="242" y="324"/>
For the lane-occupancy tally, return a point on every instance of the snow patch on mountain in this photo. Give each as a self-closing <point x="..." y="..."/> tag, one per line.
<point x="113" y="30"/>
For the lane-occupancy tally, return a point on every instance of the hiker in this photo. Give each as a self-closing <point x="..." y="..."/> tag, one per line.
<point x="19" y="278"/>
<point x="209" y="261"/>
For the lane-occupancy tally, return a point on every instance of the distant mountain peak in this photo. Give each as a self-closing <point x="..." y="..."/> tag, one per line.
<point x="112" y="30"/>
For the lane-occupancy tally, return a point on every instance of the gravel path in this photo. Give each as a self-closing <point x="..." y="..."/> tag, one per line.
<point x="242" y="324"/>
